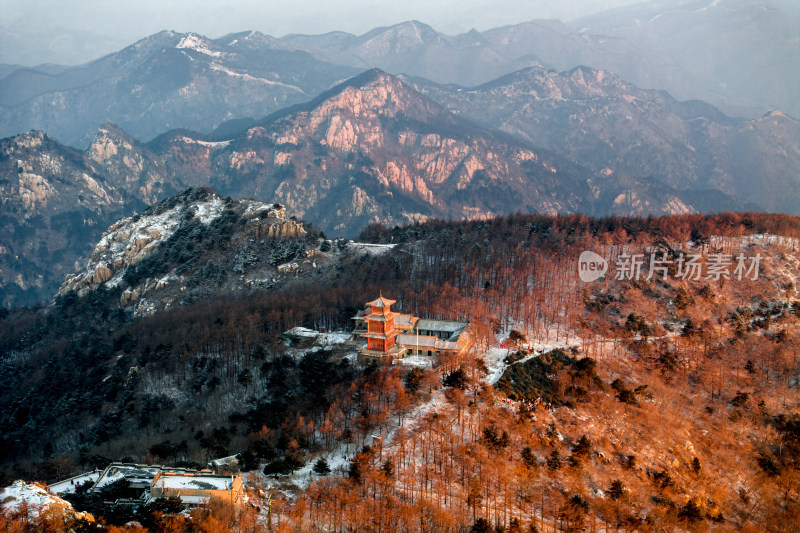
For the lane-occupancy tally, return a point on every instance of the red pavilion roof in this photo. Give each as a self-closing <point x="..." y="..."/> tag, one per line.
<point x="381" y="302"/>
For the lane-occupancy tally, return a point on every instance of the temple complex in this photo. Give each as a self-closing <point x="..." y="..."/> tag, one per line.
<point x="391" y="335"/>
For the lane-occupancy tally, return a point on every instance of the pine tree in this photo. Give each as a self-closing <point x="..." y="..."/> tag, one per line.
<point x="683" y="299"/>
<point x="388" y="468"/>
<point x="528" y="458"/>
<point x="616" y="490"/>
<point x="554" y="461"/>
<point x="583" y="447"/>
<point x="696" y="465"/>
<point x="481" y="525"/>
<point x="321" y="467"/>
<point x="691" y="512"/>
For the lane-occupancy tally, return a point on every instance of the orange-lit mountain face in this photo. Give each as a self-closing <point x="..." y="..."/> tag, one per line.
<point x="374" y="149"/>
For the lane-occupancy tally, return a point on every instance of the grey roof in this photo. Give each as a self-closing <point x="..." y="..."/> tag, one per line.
<point x="138" y="475"/>
<point x="404" y="319"/>
<point x="440" y="325"/>
<point x="417" y="340"/>
<point x="447" y="345"/>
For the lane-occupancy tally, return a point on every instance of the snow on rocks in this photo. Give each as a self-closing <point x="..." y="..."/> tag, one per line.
<point x="208" y="211"/>
<point x="198" y="44"/>
<point x="34" y="495"/>
<point x="209" y="144"/>
<point x="130" y="240"/>
<point x="271" y="210"/>
<point x="335" y="337"/>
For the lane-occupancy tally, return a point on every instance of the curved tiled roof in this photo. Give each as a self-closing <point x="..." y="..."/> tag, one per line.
<point x="381" y="302"/>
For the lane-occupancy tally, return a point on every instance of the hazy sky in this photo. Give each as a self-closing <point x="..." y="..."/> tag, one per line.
<point x="38" y="31"/>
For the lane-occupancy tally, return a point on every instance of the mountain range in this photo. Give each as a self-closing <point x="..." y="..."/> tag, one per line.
<point x="740" y="55"/>
<point x="737" y="55"/>
<point x="599" y="120"/>
<point x="284" y="120"/>
<point x="375" y="150"/>
<point x="168" y="80"/>
<point x="178" y="283"/>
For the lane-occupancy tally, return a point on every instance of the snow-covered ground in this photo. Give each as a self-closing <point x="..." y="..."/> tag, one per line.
<point x="194" y="482"/>
<point x="220" y="68"/>
<point x="69" y="485"/>
<point x="208" y="211"/>
<point x="35" y="496"/>
<point x="422" y="361"/>
<point x="494" y="356"/>
<point x="372" y="249"/>
<point x="210" y="144"/>
<point x="198" y="44"/>
<point x="322" y="341"/>
<point x="334" y="337"/>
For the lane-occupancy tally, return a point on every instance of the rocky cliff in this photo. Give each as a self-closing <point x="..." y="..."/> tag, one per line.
<point x="193" y="245"/>
<point x="595" y="118"/>
<point x="55" y="203"/>
<point x="375" y="150"/>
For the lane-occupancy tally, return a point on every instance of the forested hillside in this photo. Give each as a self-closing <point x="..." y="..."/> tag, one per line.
<point x="634" y="404"/>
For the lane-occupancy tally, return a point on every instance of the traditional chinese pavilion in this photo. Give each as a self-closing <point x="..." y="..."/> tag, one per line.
<point x="391" y="335"/>
<point x="381" y="333"/>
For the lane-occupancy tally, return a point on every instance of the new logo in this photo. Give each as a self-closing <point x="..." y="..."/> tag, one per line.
<point x="591" y="267"/>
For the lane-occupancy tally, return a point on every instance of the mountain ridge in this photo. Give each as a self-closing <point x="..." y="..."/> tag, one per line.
<point x="252" y="74"/>
<point x="166" y="80"/>
<point x="604" y="122"/>
<point x="375" y="150"/>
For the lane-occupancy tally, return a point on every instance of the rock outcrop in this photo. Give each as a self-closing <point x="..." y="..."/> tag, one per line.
<point x="55" y="202"/>
<point x="192" y="245"/>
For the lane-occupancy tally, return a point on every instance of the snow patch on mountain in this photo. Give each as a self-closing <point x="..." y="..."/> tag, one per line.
<point x="159" y="258"/>
<point x="198" y="44"/>
<point x="219" y="68"/>
<point x="208" y="211"/>
<point x="210" y="144"/>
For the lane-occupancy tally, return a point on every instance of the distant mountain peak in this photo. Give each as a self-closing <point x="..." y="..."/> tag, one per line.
<point x="160" y="39"/>
<point x="108" y="140"/>
<point x="374" y="93"/>
<point x="400" y="36"/>
<point x="31" y="138"/>
<point x="200" y="44"/>
<point x="252" y="38"/>
<point x="109" y="127"/>
<point x="778" y="114"/>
